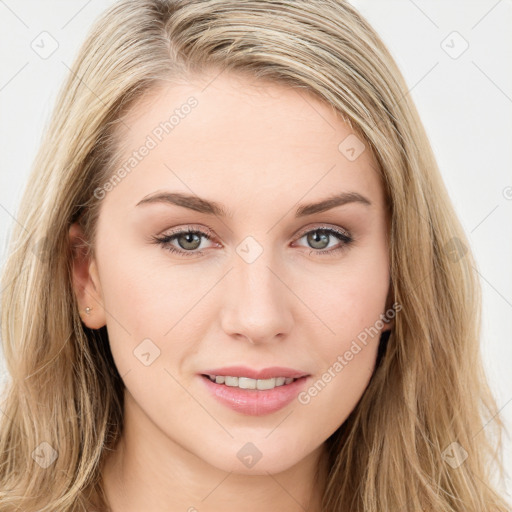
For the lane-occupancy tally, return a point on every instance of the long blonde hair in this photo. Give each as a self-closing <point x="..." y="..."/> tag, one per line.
<point x="428" y="403"/>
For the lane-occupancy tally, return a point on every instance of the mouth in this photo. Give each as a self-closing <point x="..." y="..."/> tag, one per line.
<point x="248" y="383"/>
<point x="254" y="392"/>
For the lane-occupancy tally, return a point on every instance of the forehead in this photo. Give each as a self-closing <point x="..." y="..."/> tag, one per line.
<point x="225" y="133"/>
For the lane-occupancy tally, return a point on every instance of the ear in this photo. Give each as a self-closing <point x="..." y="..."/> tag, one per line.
<point x="86" y="282"/>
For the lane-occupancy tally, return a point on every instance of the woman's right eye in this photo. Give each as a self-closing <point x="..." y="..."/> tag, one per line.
<point x="187" y="239"/>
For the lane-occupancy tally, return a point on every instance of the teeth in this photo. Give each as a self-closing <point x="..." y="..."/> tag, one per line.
<point x="266" y="383"/>
<point x="231" y="381"/>
<point x="247" y="383"/>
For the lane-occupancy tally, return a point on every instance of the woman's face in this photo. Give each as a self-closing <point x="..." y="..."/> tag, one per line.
<point x="266" y="282"/>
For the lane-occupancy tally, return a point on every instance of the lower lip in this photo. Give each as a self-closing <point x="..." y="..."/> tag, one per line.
<point x="255" y="402"/>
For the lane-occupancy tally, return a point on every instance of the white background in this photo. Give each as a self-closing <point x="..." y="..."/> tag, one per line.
<point x="465" y="104"/>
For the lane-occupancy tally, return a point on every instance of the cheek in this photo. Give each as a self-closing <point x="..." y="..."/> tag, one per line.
<point x="151" y="308"/>
<point x="348" y="298"/>
<point x="135" y="298"/>
<point x="346" y="361"/>
<point x="141" y="292"/>
<point x="350" y="305"/>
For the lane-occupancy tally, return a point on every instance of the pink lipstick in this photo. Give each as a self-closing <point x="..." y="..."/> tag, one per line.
<point x="254" y="392"/>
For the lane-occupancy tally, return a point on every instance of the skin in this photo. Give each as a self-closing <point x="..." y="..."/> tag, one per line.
<point x="260" y="149"/>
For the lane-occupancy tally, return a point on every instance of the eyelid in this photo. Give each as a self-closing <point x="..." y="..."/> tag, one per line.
<point x="205" y="230"/>
<point x="319" y="227"/>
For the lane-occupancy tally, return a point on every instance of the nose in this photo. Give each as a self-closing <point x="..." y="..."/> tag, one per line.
<point x="257" y="302"/>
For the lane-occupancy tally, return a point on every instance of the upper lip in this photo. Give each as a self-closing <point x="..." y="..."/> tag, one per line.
<point x="264" y="373"/>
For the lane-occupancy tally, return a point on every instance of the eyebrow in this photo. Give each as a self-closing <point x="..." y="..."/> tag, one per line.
<point x="198" y="204"/>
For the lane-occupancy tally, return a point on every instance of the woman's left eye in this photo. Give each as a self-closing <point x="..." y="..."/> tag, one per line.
<point x="189" y="241"/>
<point x="320" y="238"/>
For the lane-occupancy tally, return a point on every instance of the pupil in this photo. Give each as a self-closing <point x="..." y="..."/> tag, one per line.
<point x="318" y="237"/>
<point x="189" y="239"/>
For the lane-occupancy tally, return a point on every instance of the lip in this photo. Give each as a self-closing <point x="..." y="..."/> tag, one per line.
<point x="255" y="402"/>
<point x="265" y="373"/>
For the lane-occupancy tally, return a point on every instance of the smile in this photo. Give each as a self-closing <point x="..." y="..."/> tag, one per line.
<point x="248" y="383"/>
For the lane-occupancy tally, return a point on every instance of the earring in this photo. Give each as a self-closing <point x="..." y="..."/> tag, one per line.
<point x="88" y="310"/>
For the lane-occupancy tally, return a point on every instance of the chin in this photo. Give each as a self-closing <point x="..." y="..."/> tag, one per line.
<point x="255" y="459"/>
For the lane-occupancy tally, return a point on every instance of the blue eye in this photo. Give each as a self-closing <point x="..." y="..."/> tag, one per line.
<point x="189" y="241"/>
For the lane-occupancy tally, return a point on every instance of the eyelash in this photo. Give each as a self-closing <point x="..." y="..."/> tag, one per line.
<point x="165" y="240"/>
